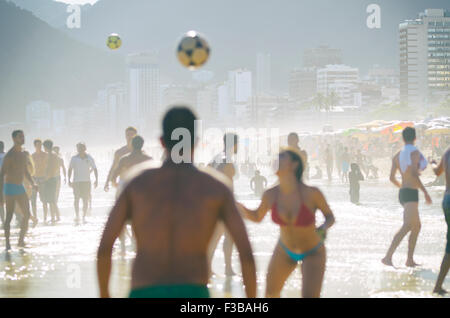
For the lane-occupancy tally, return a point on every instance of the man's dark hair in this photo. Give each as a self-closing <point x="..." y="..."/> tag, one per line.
<point x="409" y="134"/>
<point x="48" y="144"/>
<point x="178" y="117"/>
<point x="16" y="132"/>
<point x="2" y="146"/>
<point x="37" y="141"/>
<point x="230" y="140"/>
<point x="137" y="142"/>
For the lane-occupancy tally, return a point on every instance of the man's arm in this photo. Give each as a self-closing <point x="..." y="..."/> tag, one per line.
<point x="235" y="226"/>
<point x="2" y="175"/>
<point x="415" y="163"/>
<point x="116" y="172"/>
<point x="113" y="227"/>
<point x="69" y="173"/>
<point x="63" y="167"/>
<point x="113" y="167"/>
<point x="251" y="184"/>
<point x="394" y="169"/>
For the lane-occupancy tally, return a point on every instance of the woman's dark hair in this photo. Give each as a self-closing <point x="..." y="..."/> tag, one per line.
<point x="300" y="168"/>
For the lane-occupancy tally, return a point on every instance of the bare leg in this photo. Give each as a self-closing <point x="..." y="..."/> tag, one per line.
<point x="85" y="207"/>
<point x="10" y="203"/>
<point x="415" y="229"/>
<point x="442" y="273"/>
<point x="53" y="211"/>
<point x="408" y="216"/>
<point x="2" y="213"/>
<point x="34" y="203"/>
<point x="77" y="207"/>
<point x="228" y="253"/>
<point x="24" y="204"/>
<point x="280" y="268"/>
<point x="313" y="270"/>
<point x="45" y="207"/>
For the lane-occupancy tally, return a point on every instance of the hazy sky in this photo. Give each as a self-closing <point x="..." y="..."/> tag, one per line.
<point x="77" y="1"/>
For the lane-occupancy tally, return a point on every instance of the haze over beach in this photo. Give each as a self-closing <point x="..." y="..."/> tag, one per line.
<point x="331" y="116"/>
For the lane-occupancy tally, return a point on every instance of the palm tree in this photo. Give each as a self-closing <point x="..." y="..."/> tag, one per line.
<point x="319" y="101"/>
<point x="332" y="100"/>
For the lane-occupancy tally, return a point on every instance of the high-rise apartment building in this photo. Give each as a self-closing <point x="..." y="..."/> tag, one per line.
<point x="144" y="85"/>
<point x="425" y="57"/>
<point x="340" y="79"/>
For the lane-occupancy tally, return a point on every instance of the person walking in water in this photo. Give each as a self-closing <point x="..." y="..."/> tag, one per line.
<point x="2" y="206"/>
<point x="12" y="174"/>
<point x="345" y="159"/>
<point x="40" y="164"/>
<point x="130" y="133"/>
<point x="258" y="183"/>
<point x="329" y="162"/>
<point x="354" y="177"/>
<point x="410" y="162"/>
<point x="444" y="167"/>
<point x="293" y="141"/>
<point x="174" y="211"/>
<point x="223" y="162"/>
<point x="136" y="157"/>
<point x="63" y="169"/>
<point x="50" y="184"/>
<point x="293" y="206"/>
<point x="81" y="166"/>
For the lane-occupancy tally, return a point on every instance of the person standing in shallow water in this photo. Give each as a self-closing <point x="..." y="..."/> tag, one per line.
<point x="12" y="174"/>
<point x="410" y="162"/>
<point x="354" y="177"/>
<point x="81" y="166"/>
<point x="444" y="167"/>
<point x="223" y="162"/>
<point x="294" y="206"/>
<point x="174" y="224"/>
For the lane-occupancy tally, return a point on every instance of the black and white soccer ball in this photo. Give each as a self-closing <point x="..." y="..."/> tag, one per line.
<point x="193" y="51"/>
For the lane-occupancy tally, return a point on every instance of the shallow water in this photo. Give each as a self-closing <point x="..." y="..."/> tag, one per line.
<point x="60" y="259"/>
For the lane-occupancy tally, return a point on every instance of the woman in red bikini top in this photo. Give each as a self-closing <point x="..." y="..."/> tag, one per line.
<point x="293" y="206"/>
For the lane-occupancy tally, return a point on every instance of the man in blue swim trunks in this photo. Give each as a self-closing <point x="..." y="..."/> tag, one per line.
<point x="444" y="166"/>
<point x="12" y="191"/>
<point x="2" y="155"/>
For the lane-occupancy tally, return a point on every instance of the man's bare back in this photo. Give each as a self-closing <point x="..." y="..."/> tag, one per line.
<point x="409" y="177"/>
<point x="174" y="211"/>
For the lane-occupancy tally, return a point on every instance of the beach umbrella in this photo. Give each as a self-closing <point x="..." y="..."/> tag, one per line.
<point x="438" y="130"/>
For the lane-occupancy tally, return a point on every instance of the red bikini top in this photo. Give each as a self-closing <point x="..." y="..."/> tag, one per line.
<point x="304" y="218"/>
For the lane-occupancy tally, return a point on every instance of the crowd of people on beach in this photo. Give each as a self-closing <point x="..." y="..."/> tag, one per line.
<point x="179" y="211"/>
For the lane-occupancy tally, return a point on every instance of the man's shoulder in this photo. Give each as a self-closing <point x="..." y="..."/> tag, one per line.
<point x="121" y="151"/>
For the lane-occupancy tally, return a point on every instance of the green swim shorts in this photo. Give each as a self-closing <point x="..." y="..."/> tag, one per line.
<point x="171" y="291"/>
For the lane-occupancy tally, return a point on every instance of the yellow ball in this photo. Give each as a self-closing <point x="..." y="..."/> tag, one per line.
<point x="193" y="51"/>
<point x="114" y="41"/>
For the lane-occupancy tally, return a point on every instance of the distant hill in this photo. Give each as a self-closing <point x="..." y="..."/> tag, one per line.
<point x="50" y="11"/>
<point x="40" y="62"/>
